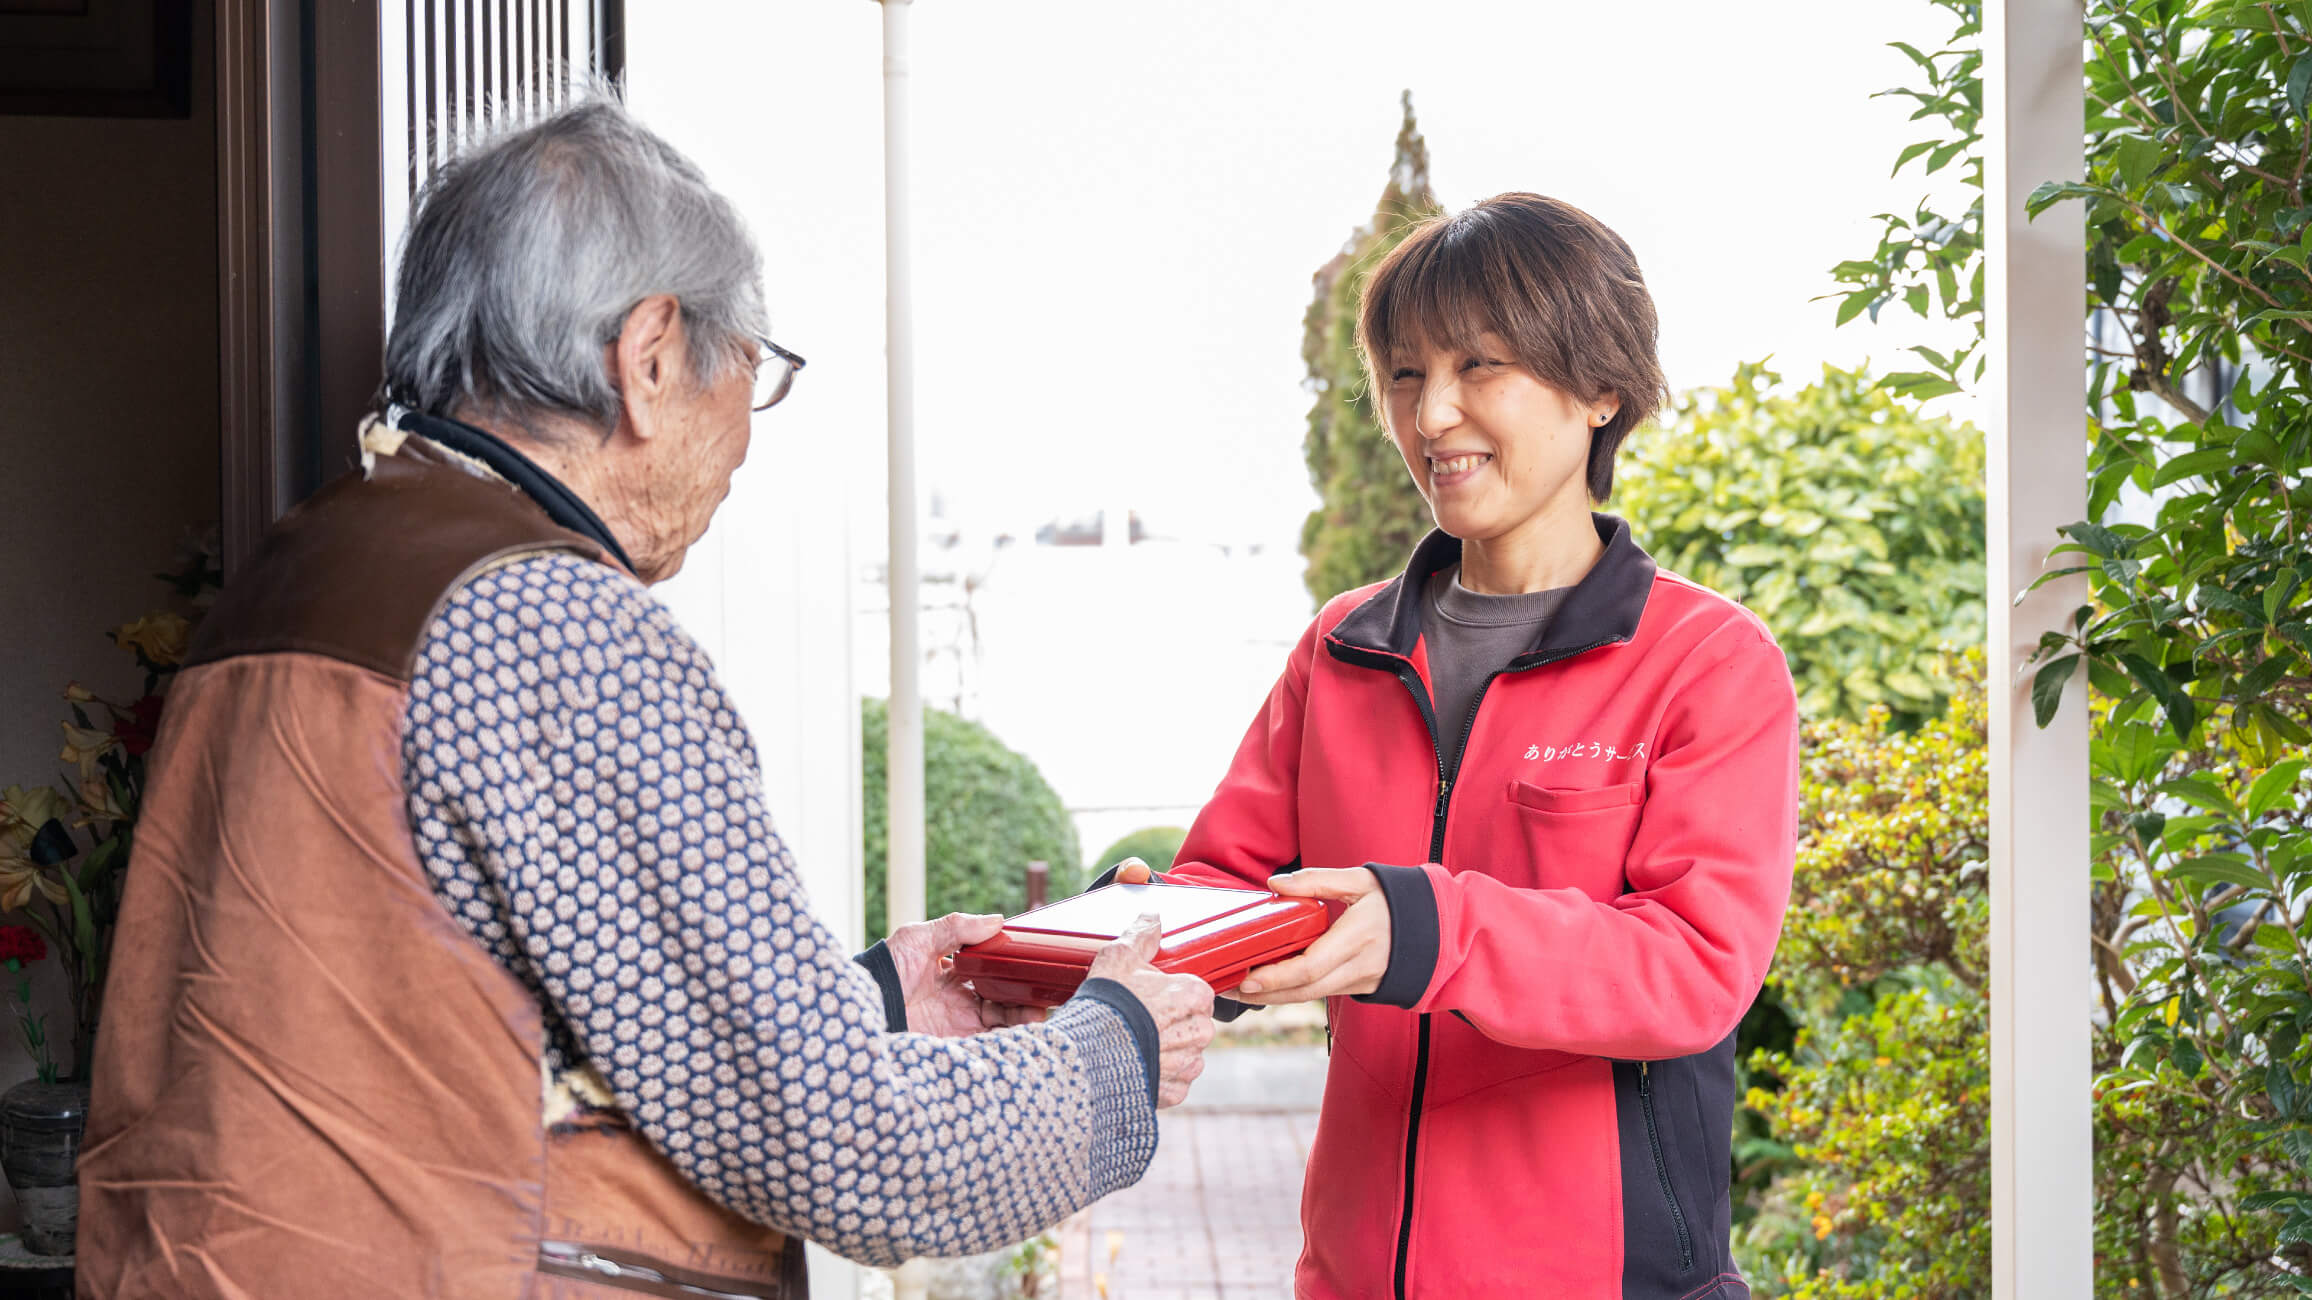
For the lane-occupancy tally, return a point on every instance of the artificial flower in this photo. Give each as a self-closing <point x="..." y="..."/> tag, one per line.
<point x="24" y="810"/>
<point x="78" y="694"/>
<point x="20" y="877"/>
<point x="159" y="638"/>
<point x="136" y="727"/>
<point x="21" y="943"/>
<point x="98" y="803"/>
<point x="84" y="745"/>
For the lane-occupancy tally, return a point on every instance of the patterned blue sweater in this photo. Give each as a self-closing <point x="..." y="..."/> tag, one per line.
<point x="588" y="804"/>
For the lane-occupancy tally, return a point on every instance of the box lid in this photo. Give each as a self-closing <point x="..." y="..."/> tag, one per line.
<point x="1217" y="934"/>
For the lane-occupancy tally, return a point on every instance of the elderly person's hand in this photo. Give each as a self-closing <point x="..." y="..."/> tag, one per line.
<point x="938" y="1003"/>
<point x="1347" y="959"/>
<point x="1180" y="1004"/>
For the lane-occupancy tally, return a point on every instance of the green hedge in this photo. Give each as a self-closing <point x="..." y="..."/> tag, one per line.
<point x="987" y="813"/>
<point x="1154" y="845"/>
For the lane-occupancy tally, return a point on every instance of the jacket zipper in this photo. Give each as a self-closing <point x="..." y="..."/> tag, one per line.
<point x="1412" y="682"/>
<point x="1403" y="669"/>
<point x="567" y="1260"/>
<point x="1662" y="1167"/>
<point x="1412" y="1151"/>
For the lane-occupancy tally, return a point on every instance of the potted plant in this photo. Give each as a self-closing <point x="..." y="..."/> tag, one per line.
<point x="63" y="852"/>
<point x="40" y="1120"/>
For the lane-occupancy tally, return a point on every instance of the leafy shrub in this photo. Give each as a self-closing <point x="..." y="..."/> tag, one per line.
<point x="1154" y="845"/>
<point x="1884" y="1097"/>
<point x="1886" y="1103"/>
<point x="1851" y="523"/>
<point x="2198" y="633"/>
<point x="987" y="814"/>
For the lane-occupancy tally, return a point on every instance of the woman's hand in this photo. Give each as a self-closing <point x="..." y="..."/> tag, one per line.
<point x="1132" y="871"/>
<point x="1347" y="959"/>
<point x="937" y="1002"/>
<point x="1181" y="1005"/>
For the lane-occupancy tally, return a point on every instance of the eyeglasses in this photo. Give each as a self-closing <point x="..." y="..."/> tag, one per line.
<point x="774" y="373"/>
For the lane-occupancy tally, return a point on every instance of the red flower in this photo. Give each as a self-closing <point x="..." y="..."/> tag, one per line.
<point x="135" y="729"/>
<point x="21" y="943"/>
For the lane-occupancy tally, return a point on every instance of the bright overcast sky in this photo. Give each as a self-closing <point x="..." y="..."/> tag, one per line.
<point x="1118" y="206"/>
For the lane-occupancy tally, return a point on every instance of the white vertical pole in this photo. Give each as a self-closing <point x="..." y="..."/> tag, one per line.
<point x="2042" y="1141"/>
<point x="904" y="878"/>
<point x="903" y="864"/>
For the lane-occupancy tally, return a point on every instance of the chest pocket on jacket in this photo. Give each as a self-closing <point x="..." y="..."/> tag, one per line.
<point x="1576" y="838"/>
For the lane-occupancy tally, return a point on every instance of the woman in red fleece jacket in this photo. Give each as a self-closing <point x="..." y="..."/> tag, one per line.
<point x="1550" y="793"/>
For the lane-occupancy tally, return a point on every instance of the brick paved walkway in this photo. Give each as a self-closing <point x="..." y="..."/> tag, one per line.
<point x="1218" y="1215"/>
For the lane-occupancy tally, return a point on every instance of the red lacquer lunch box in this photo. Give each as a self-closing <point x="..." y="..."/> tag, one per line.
<point x="1040" y="957"/>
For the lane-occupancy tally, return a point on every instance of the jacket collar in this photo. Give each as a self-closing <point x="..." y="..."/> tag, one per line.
<point x="1603" y="608"/>
<point x="551" y="495"/>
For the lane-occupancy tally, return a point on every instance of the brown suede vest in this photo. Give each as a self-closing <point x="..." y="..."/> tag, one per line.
<point x="311" y="1081"/>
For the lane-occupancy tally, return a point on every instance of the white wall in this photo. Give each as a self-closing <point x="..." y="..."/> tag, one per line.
<point x="769" y="590"/>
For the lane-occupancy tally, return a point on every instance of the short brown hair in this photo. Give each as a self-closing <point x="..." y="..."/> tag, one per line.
<point x="1550" y="280"/>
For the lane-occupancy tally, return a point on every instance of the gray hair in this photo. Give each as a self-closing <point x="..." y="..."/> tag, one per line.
<point x="525" y="255"/>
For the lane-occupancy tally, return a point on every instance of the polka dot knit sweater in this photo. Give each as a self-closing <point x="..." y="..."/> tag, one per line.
<point x="588" y="805"/>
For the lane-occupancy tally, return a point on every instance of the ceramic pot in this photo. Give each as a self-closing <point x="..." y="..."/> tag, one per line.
<point x="40" y="1127"/>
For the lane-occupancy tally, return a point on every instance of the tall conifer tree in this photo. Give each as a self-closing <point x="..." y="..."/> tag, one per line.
<point x="1368" y="517"/>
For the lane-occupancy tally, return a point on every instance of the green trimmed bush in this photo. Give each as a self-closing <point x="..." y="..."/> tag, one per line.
<point x="1154" y="845"/>
<point x="987" y="813"/>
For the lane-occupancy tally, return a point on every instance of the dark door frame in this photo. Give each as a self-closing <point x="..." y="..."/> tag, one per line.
<point x="300" y="248"/>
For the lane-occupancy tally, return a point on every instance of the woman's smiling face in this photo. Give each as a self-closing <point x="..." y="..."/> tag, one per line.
<point x="1491" y="448"/>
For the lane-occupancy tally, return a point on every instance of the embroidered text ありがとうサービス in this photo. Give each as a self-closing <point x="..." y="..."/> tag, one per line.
<point x="1584" y="749"/>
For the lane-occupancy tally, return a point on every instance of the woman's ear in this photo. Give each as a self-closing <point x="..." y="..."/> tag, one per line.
<point x="647" y="360"/>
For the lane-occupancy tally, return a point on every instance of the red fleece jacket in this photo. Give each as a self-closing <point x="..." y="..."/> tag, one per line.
<point x="1600" y="884"/>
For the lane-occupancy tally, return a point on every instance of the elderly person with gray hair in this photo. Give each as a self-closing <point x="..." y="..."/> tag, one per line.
<point x="459" y="956"/>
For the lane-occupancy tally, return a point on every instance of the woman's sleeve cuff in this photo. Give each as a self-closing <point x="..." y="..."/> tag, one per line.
<point x="1121" y="1068"/>
<point x="1143" y="1026"/>
<point x="1412" y="900"/>
<point x="878" y="962"/>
